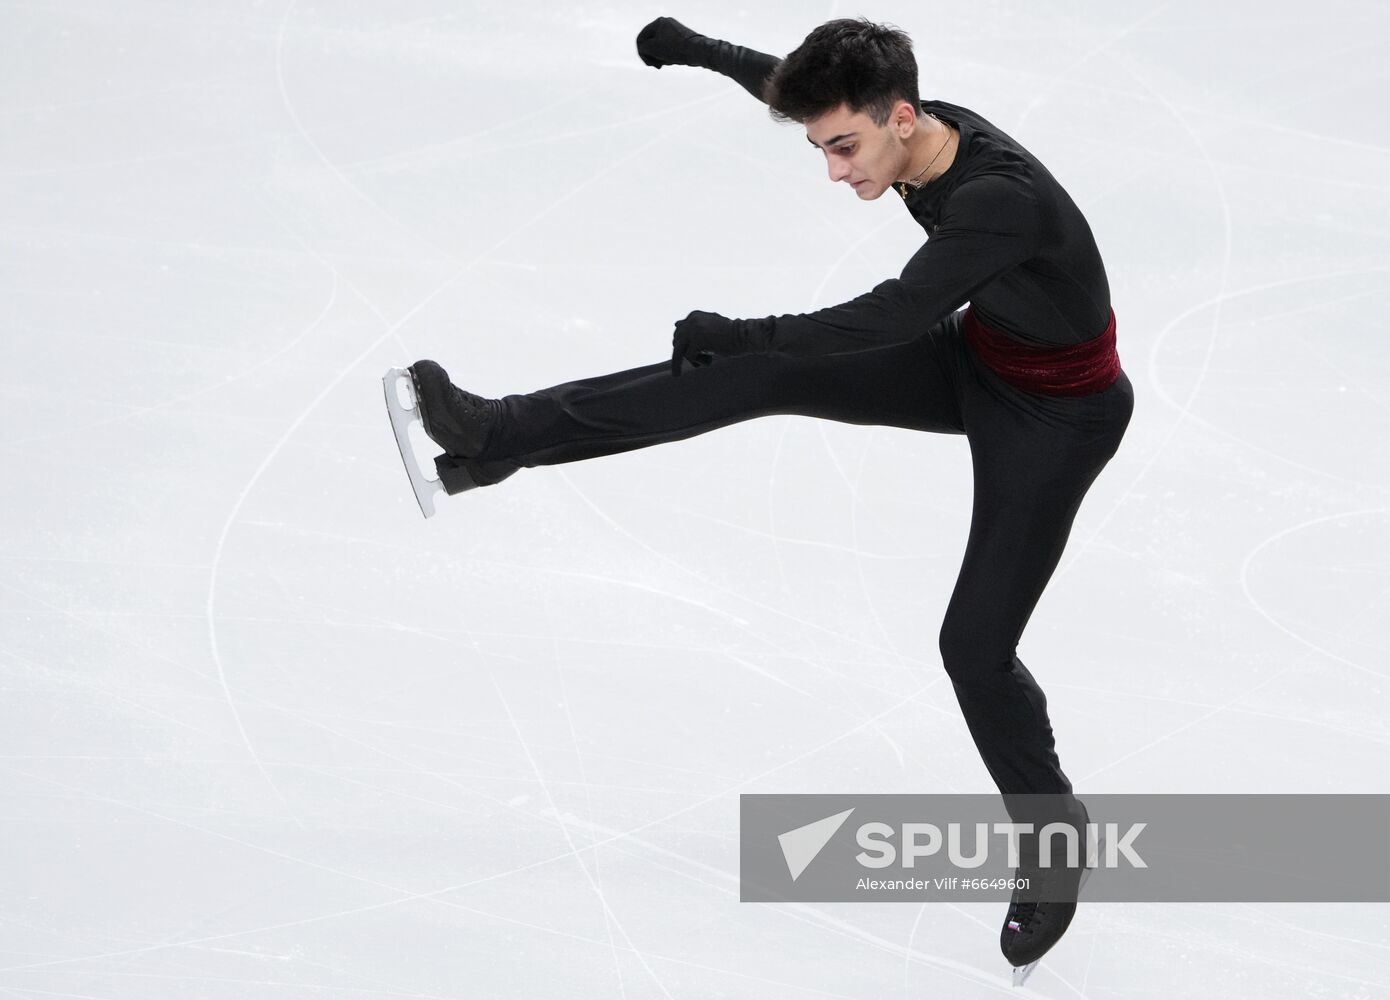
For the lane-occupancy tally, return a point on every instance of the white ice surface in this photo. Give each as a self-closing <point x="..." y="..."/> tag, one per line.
<point x="264" y="731"/>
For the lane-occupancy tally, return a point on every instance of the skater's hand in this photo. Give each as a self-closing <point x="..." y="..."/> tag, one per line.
<point x="666" y="41"/>
<point x="700" y="337"/>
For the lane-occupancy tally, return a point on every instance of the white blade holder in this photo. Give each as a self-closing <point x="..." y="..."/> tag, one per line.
<point x="401" y="418"/>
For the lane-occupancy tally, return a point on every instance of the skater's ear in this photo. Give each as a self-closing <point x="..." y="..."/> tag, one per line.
<point x="904" y="119"/>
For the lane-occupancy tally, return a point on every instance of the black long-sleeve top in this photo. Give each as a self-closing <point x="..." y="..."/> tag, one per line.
<point x="1002" y="234"/>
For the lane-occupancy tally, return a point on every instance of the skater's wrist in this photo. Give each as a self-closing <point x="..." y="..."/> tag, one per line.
<point x="747" y="67"/>
<point x="753" y="336"/>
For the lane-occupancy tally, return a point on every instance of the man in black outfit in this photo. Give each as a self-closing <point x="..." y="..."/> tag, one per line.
<point x="1028" y="373"/>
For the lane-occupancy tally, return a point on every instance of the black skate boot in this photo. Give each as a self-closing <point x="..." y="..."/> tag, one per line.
<point x="460" y="423"/>
<point x="1040" y="913"/>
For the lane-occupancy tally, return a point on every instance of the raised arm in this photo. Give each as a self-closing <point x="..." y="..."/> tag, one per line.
<point x="667" y="42"/>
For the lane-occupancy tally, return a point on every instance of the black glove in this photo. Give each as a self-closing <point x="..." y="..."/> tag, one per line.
<point x="701" y="336"/>
<point x="666" y="41"/>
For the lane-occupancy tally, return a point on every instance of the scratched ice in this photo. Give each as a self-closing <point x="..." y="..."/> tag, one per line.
<point x="264" y="731"/>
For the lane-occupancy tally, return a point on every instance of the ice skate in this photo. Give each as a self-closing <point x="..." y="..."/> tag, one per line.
<point x="457" y="421"/>
<point x="1039" y="915"/>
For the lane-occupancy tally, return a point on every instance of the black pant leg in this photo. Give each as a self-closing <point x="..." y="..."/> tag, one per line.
<point x="903" y="385"/>
<point x="1034" y="460"/>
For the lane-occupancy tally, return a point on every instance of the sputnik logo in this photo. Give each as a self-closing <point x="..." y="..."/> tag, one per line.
<point x="800" y="846"/>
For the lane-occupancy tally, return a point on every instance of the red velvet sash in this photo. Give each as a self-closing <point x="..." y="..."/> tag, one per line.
<point x="1064" y="371"/>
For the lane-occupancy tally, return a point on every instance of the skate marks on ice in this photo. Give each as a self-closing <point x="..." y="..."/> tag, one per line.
<point x="403" y="407"/>
<point x="1347" y="632"/>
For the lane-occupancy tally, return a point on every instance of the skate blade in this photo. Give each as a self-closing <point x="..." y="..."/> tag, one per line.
<point x="1022" y="972"/>
<point x="401" y="418"/>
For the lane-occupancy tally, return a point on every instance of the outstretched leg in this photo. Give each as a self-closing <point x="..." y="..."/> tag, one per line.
<point x="903" y="385"/>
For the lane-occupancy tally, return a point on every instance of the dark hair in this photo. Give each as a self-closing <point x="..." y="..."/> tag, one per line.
<point x="868" y="66"/>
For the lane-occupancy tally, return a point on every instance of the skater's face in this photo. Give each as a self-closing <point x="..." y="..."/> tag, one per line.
<point x="866" y="156"/>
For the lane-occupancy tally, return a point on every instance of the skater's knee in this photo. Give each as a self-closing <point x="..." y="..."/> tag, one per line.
<point x="970" y="653"/>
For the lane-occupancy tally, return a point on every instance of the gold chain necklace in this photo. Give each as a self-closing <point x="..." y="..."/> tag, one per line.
<point x="913" y="181"/>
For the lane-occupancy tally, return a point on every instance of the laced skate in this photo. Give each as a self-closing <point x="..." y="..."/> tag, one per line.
<point x="1040" y="914"/>
<point x="457" y="421"/>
